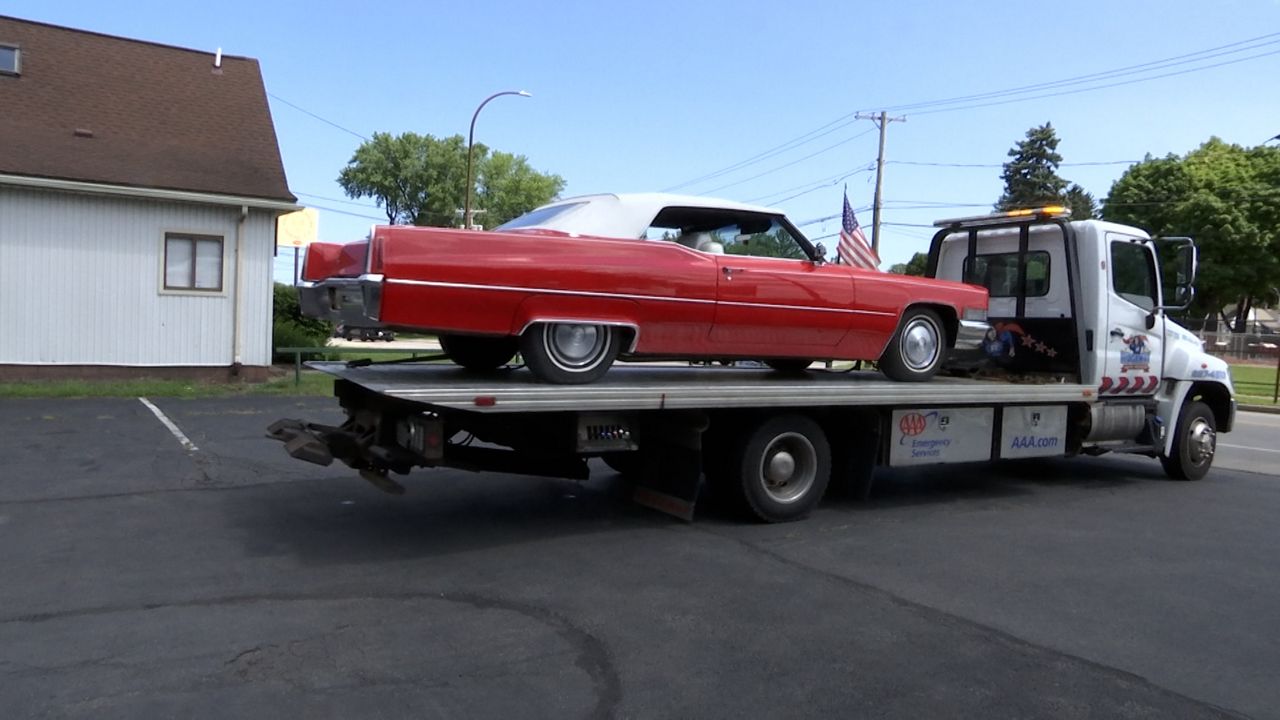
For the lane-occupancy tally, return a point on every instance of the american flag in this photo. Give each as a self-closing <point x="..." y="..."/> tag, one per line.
<point x="854" y="248"/>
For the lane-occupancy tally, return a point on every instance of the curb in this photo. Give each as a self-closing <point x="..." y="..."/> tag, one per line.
<point x="1269" y="409"/>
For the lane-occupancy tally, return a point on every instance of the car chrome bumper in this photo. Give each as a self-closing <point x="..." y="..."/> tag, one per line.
<point x="970" y="334"/>
<point x="349" y="301"/>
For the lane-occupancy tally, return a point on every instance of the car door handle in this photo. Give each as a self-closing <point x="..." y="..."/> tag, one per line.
<point x="729" y="271"/>
<point x="1117" y="333"/>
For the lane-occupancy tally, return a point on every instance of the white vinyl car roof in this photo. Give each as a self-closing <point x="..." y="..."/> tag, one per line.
<point x="621" y="215"/>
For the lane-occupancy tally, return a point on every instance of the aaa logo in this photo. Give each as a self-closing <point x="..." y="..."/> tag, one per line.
<point x="913" y="424"/>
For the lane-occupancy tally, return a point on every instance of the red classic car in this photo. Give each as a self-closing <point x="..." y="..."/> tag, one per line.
<point x="578" y="283"/>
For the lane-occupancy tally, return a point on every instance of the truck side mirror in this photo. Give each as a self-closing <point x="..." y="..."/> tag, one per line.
<point x="1178" y="265"/>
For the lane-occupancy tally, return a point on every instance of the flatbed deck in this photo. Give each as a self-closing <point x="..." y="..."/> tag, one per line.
<point x="641" y="387"/>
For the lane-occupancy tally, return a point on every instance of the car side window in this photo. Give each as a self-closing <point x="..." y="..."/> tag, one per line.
<point x="775" y="241"/>
<point x="1133" y="273"/>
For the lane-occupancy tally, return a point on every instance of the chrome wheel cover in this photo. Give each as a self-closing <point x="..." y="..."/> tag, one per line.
<point x="574" y="347"/>
<point x="921" y="342"/>
<point x="788" y="467"/>
<point x="1201" y="441"/>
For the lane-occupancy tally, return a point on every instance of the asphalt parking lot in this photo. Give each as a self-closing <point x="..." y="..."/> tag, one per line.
<point x="145" y="578"/>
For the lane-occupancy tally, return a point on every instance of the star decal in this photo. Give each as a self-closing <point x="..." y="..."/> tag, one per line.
<point x="1051" y="352"/>
<point x="1028" y="341"/>
<point x="1041" y="347"/>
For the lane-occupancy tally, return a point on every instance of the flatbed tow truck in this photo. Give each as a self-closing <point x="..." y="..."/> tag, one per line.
<point x="1081" y="359"/>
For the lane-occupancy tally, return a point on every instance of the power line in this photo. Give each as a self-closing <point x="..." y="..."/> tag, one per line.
<point x="787" y="165"/>
<point x="1201" y="55"/>
<point x="345" y="212"/>
<point x="321" y="119"/>
<point x="1198" y="56"/>
<point x="337" y="200"/>
<point x="1000" y="165"/>
<point x="821" y="185"/>
<point x="771" y="152"/>
<point x="1099" y="87"/>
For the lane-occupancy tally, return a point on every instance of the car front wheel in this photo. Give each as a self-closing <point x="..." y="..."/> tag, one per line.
<point x="570" y="353"/>
<point x="917" y="349"/>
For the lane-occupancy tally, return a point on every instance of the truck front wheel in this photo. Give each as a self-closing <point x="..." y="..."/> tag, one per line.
<point x="1193" y="444"/>
<point x="784" y="465"/>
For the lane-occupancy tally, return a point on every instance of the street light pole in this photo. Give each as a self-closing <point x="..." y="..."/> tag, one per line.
<point x="471" y="136"/>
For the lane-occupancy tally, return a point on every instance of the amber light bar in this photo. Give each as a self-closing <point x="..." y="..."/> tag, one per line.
<point x="1000" y="218"/>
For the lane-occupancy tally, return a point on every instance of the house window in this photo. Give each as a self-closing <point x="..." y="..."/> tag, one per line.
<point x="10" y="59"/>
<point x="192" y="262"/>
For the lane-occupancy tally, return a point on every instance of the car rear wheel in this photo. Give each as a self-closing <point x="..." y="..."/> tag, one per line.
<point x="917" y="349"/>
<point x="479" y="353"/>
<point x="570" y="353"/>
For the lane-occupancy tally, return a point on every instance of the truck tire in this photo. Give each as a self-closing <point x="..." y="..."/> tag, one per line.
<point x="917" y="349"/>
<point x="782" y="468"/>
<point x="1194" y="443"/>
<point x="479" y="353"/>
<point x="569" y="353"/>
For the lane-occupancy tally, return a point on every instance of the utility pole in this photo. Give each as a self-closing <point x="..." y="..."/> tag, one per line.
<point x="882" y="121"/>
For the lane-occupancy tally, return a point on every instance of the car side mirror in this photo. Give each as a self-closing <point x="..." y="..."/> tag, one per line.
<point x="820" y="251"/>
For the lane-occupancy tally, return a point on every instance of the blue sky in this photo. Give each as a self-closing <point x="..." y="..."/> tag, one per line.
<point x="647" y="96"/>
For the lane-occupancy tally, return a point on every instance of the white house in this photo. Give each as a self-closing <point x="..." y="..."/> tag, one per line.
<point x="139" y="188"/>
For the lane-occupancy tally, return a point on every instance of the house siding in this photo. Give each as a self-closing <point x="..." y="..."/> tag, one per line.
<point x="81" y="283"/>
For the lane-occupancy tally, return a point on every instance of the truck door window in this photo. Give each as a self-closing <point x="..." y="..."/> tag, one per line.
<point x="998" y="273"/>
<point x="1133" y="275"/>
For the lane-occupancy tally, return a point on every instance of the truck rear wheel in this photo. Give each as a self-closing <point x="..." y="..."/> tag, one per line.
<point x="1193" y="444"/>
<point x="783" y="467"/>
<point x="479" y="353"/>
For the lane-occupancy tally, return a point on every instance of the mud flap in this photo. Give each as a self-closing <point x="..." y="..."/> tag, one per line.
<point x="669" y="469"/>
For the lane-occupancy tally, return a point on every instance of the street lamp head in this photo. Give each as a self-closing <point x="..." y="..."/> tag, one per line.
<point x="471" y="135"/>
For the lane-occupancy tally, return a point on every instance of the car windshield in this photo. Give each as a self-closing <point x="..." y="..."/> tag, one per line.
<point x="541" y="217"/>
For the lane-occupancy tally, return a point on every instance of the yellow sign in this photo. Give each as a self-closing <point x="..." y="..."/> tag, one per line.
<point x="297" y="229"/>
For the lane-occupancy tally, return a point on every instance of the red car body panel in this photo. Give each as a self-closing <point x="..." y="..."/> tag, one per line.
<point x="679" y="301"/>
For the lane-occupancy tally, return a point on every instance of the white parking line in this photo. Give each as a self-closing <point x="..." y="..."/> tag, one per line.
<point x="1247" y="447"/>
<point x="186" y="443"/>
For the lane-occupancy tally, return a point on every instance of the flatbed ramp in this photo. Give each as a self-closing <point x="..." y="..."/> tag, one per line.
<point x="640" y="387"/>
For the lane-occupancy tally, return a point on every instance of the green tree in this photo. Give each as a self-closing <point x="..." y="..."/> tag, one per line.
<point x="422" y="180"/>
<point x="1031" y="178"/>
<point x="777" y="244"/>
<point x="1081" y="202"/>
<point x="509" y="187"/>
<point x="1228" y="198"/>
<point x="915" y="266"/>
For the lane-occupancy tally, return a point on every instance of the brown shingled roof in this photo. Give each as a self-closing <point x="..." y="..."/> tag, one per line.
<point x="160" y="116"/>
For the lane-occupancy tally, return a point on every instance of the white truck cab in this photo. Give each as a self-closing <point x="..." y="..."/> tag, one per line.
<point x="1082" y="301"/>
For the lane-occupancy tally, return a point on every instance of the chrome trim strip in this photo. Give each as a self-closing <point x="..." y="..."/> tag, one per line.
<point x="626" y="296"/>
<point x="635" y="337"/>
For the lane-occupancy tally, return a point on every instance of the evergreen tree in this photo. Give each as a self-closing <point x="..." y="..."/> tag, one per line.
<point x="1081" y="202"/>
<point x="1031" y="178"/>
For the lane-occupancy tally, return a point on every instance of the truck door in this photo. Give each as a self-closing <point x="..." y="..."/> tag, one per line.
<point x="1133" y="339"/>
